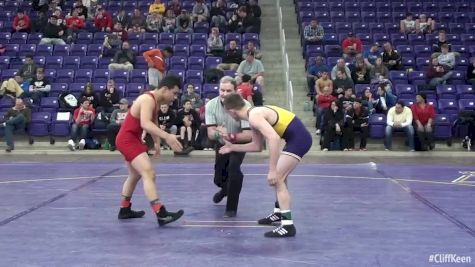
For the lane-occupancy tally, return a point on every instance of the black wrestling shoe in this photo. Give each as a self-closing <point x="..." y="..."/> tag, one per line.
<point x="219" y="196"/>
<point x="166" y="217"/>
<point x="230" y="214"/>
<point x="282" y="231"/>
<point x="128" y="213"/>
<point x="271" y="219"/>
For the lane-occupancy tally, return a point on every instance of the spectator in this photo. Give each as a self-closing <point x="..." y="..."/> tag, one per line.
<point x="184" y="23"/>
<point x="232" y="58"/>
<point x="352" y="45"/>
<point x="333" y="125"/>
<point x="251" y="46"/>
<point x="123" y="19"/>
<point x="215" y="43"/>
<point x="90" y="95"/>
<point x="218" y="14"/>
<point x="200" y="11"/>
<point x="189" y="121"/>
<point x="74" y="24"/>
<point x="243" y="23"/>
<point x="437" y="74"/>
<point x="154" y="22"/>
<point x="15" y="119"/>
<point x="116" y="120"/>
<point x="341" y="83"/>
<point x="21" y="22"/>
<point x="437" y="48"/>
<point x="124" y="59"/>
<point x="39" y="87"/>
<point x="169" y="22"/>
<point x="446" y="58"/>
<point x="39" y="24"/>
<point x="83" y="118"/>
<point x="315" y="72"/>
<point x="53" y="33"/>
<point x="408" y="25"/>
<point x="175" y="7"/>
<point x="109" y="98"/>
<point x="156" y="60"/>
<point x="423" y="114"/>
<point x="254" y="9"/>
<point x="11" y="87"/>
<point x="323" y="103"/>
<point x="245" y="89"/>
<point x="471" y="72"/>
<point x="369" y="101"/>
<point x="386" y="100"/>
<point x="371" y="55"/>
<point x="167" y="120"/>
<point x="391" y="58"/>
<point x="114" y="40"/>
<point x="28" y="70"/>
<point x="321" y="83"/>
<point x="157" y="7"/>
<point x="253" y="67"/>
<point x="379" y="70"/>
<point x="357" y="119"/>
<point x="103" y="21"/>
<point x="60" y="18"/>
<point x="424" y="25"/>
<point x="192" y="96"/>
<point x="137" y="22"/>
<point x="340" y="65"/>
<point x="81" y="8"/>
<point x="360" y="73"/>
<point x="313" y="33"/>
<point x="346" y="101"/>
<point x="399" y="118"/>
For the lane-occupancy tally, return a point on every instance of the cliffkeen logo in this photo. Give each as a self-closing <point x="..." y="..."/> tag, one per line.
<point x="466" y="175"/>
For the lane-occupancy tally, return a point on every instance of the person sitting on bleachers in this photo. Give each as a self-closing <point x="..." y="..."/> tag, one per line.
<point x="124" y="59"/>
<point x="11" y="87"/>
<point x="81" y="8"/>
<point x="251" y="46"/>
<point x="39" y="87"/>
<point x="242" y="22"/>
<point x="167" y="121"/>
<point x="424" y="25"/>
<point x="169" y="22"/>
<point x="254" y="9"/>
<point x="399" y="118"/>
<point x="321" y="83"/>
<point x="232" y="57"/>
<point x="113" y="40"/>
<point x="391" y="57"/>
<point x="108" y="98"/>
<point x="123" y="19"/>
<point x="184" y="23"/>
<point x="360" y="73"/>
<point x="252" y="67"/>
<point x="352" y="45"/>
<point x="355" y="118"/>
<point x="245" y="89"/>
<point x="188" y="121"/>
<point x="192" y="96"/>
<point x="52" y="33"/>
<point x="408" y="25"/>
<point x="28" y="70"/>
<point x="200" y="11"/>
<point x="90" y="95"/>
<point x="116" y="120"/>
<point x="437" y="74"/>
<point x="103" y="21"/>
<point x="153" y="22"/>
<point x="137" y="22"/>
<point x="313" y="33"/>
<point x="423" y="114"/>
<point x="471" y="72"/>
<point x="371" y="55"/>
<point x="218" y="14"/>
<point x="340" y="65"/>
<point x="15" y="119"/>
<point x="157" y="7"/>
<point x="441" y="40"/>
<point x="315" y="71"/>
<point x="379" y="70"/>
<point x="341" y="83"/>
<point x="21" y="22"/>
<point x="215" y="43"/>
<point x="447" y="59"/>
<point x="175" y="7"/>
<point x="60" y="21"/>
<point x="369" y="101"/>
<point x="74" y="24"/>
<point x="386" y="100"/>
<point x="83" y="118"/>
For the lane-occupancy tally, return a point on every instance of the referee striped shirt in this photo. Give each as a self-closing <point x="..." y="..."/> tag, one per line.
<point x="216" y="115"/>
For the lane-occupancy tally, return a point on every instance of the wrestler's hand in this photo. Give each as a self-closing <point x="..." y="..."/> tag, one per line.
<point x="272" y="177"/>
<point x="144" y="134"/>
<point x="157" y="150"/>
<point x="226" y="149"/>
<point x="173" y="142"/>
<point x="222" y="130"/>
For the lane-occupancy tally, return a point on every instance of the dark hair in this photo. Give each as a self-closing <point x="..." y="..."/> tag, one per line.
<point x="29" y="56"/>
<point x="246" y="78"/>
<point x="168" y="49"/>
<point x="233" y="101"/>
<point x="401" y="102"/>
<point x="186" y="101"/>
<point x="170" y="81"/>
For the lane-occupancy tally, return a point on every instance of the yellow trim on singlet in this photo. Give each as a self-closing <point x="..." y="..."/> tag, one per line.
<point x="284" y="117"/>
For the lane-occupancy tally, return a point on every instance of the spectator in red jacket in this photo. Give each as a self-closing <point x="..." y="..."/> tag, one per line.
<point x="21" y="22"/>
<point x="74" y="24"/>
<point x="83" y="118"/>
<point x="423" y="115"/>
<point x="103" y="20"/>
<point x="352" y="45"/>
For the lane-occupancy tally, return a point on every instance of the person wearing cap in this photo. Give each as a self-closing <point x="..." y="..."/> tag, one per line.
<point x="21" y="22"/>
<point x="352" y="45"/>
<point x="53" y="33"/>
<point x="371" y="55"/>
<point x="252" y="67"/>
<point x="423" y="114"/>
<point x="116" y="120"/>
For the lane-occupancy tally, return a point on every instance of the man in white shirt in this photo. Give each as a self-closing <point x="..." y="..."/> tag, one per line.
<point x="399" y="118"/>
<point x="446" y="58"/>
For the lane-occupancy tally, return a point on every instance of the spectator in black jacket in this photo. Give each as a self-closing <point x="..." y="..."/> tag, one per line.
<point x="232" y="58"/>
<point x="218" y="14"/>
<point x="109" y="98"/>
<point x="333" y="126"/>
<point x="243" y="23"/>
<point x="28" y="70"/>
<point x="39" y="87"/>
<point x="357" y="119"/>
<point x="254" y="9"/>
<point x="124" y="59"/>
<point x="90" y="95"/>
<point x="189" y="121"/>
<point x="167" y="121"/>
<point x="53" y="33"/>
<point x="16" y="118"/>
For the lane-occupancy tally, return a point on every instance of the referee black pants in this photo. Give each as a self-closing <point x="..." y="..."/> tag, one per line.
<point x="228" y="176"/>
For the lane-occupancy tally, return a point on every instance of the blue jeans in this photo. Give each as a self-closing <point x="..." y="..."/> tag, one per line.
<point x="79" y="132"/>
<point x="16" y="123"/>
<point x="409" y="130"/>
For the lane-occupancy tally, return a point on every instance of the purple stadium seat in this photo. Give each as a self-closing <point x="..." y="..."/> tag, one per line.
<point x="181" y="50"/>
<point x="49" y="104"/>
<point x="34" y="38"/>
<point x="146" y="47"/>
<point x="246" y="37"/>
<point x="360" y="88"/>
<point x="199" y="38"/>
<point x="416" y="39"/>
<point x="5" y="37"/>
<point x="465" y="91"/>
<point x="138" y="76"/>
<point x="183" y="38"/>
<point x="197" y="50"/>
<point x="8" y="73"/>
<point x="19" y="38"/>
<point x="6" y="103"/>
<point x="196" y="63"/>
<point x="94" y="49"/>
<point x="83" y="76"/>
<point x="166" y="38"/>
<point x="201" y="27"/>
<point x="99" y="37"/>
<point x="134" y="38"/>
<point x="442" y="126"/>
<point x="77" y="87"/>
<point x="397" y="76"/>
<point x="89" y="62"/>
<point x="178" y="62"/>
<point x="39" y="60"/>
<point x="78" y="50"/>
<point x="316" y="50"/>
<point x="333" y="50"/>
<point x="57" y="88"/>
<point x="27" y="49"/>
<point x="40" y="124"/>
<point x="99" y="86"/>
<point x="467" y="39"/>
<point x="100" y="76"/>
<point x="71" y="62"/>
<point x="416" y="75"/>
<point x="337" y="16"/>
<point x="50" y="74"/>
<point x="12" y="50"/>
<point x="61" y="50"/>
<point x="134" y="89"/>
<point x="4" y="63"/>
<point x="194" y="76"/>
<point x="212" y="62"/>
<point x="405" y="90"/>
<point x="119" y="76"/>
<point x="398" y="38"/>
<point x="104" y="62"/>
<point x="150" y="38"/>
<point x="84" y="38"/>
<point x="377" y="125"/>
<point x="64" y="76"/>
<point x="466" y="104"/>
<point x="448" y="106"/>
<point x="233" y="37"/>
<point x="368" y="16"/>
<point x="408" y="62"/>
<point x="458" y="77"/>
<point x="60" y="127"/>
<point x="423" y="50"/>
<point x="446" y="91"/>
<point x="140" y="63"/>
<point x="210" y="90"/>
<point x="178" y="72"/>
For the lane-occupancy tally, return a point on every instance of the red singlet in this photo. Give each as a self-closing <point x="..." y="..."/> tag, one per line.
<point x="129" y="138"/>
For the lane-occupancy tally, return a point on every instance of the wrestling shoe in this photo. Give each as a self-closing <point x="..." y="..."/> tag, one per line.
<point x="271" y="219"/>
<point x="166" y="217"/>
<point x="128" y="213"/>
<point x="282" y="231"/>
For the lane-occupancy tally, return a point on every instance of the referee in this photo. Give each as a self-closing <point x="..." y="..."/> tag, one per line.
<point x="227" y="168"/>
